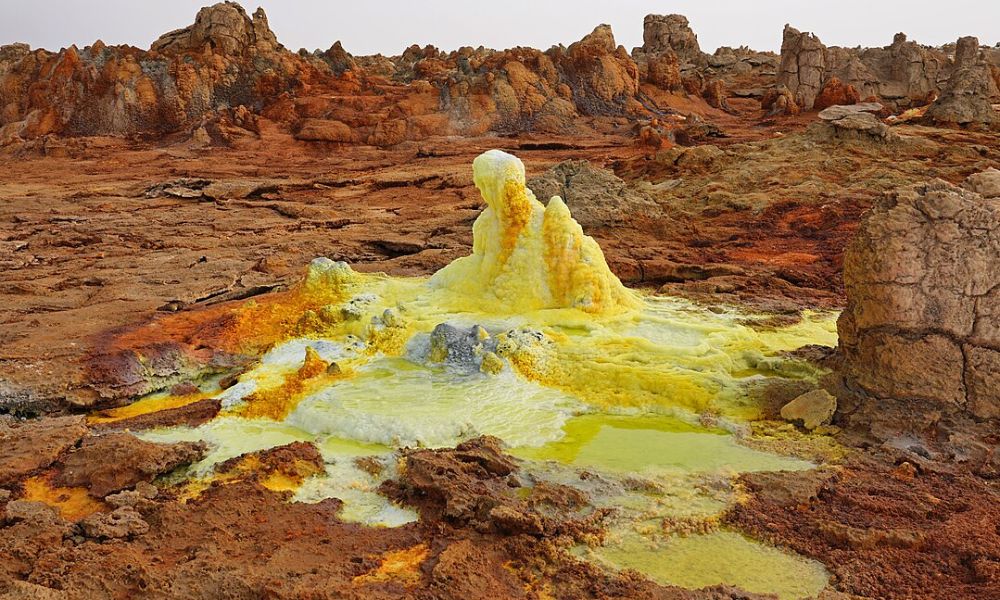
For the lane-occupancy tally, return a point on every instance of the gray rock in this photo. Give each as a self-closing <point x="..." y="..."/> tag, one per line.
<point x="840" y="111"/>
<point x="123" y="522"/>
<point x="460" y="349"/>
<point x="596" y="197"/>
<point x="967" y="97"/>
<point x="853" y="125"/>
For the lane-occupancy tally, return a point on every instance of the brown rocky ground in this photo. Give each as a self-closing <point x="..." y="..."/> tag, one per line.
<point x="884" y="531"/>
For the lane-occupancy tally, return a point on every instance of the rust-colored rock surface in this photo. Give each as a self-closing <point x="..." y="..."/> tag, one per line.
<point x="109" y="463"/>
<point x="29" y="447"/>
<point x="884" y="531"/>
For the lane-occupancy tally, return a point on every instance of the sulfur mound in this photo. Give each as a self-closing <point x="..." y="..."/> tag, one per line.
<point x="526" y="256"/>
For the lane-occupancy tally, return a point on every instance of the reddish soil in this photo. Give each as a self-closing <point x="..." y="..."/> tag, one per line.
<point x="885" y="531"/>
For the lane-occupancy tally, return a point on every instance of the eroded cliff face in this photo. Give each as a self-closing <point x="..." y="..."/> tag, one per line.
<point x="900" y="75"/>
<point x="923" y="286"/>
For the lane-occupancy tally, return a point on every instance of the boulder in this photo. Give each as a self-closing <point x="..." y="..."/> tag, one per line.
<point x="120" y="523"/>
<point x="852" y="123"/>
<point x="462" y="349"/>
<point x="596" y="197"/>
<point x="811" y="409"/>
<point x="834" y="93"/>
<point x="779" y="100"/>
<point x="923" y="295"/>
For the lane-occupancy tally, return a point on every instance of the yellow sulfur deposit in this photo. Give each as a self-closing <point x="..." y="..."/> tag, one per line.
<point x="532" y="339"/>
<point x="526" y="256"/>
<point x="151" y="404"/>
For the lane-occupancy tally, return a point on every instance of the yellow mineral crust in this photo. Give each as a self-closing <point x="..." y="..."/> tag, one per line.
<point x="526" y="256"/>
<point x="72" y="503"/>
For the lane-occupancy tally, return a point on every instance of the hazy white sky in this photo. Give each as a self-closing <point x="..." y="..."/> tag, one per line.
<point x="388" y="26"/>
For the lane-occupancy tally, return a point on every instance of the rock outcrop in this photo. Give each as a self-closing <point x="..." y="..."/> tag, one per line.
<point x="110" y="463"/>
<point x="902" y="74"/>
<point x="923" y="288"/>
<point x="223" y="61"/>
<point x="967" y="98"/>
<point x="223" y="27"/>
<point x="596" y="197"/>
<point x="670" y="33"/>
<point x="602" y="76"/>
<point x="803" y="66"/>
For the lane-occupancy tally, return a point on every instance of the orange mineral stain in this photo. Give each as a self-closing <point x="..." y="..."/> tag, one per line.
<point x="398" y="565"/>
<point x="275" y="403"/>
<point x="73" y="503"/>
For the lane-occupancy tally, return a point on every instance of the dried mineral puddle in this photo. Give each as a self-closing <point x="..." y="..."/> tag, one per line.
<point x="548" y="351"/>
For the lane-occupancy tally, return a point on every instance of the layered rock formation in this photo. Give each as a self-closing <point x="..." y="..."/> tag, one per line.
<point x="923" y="288"/>
<point x="967" y="97"/>
<point x="902" y="74"/>
<point x="222" y="61"/>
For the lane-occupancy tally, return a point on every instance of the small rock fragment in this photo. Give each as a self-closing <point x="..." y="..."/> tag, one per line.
<point x="124" y="522"/>
<point x="812" y="409"/>
<point x="29" y="510"/>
